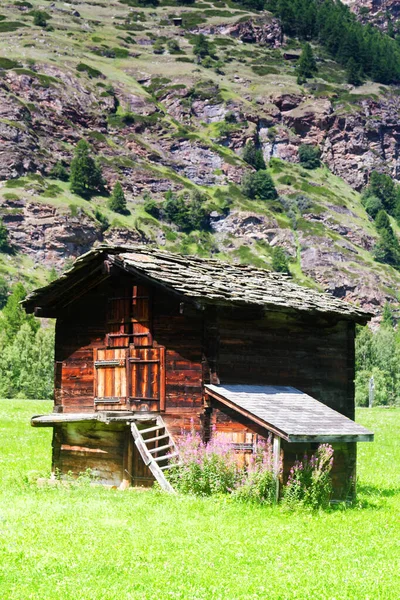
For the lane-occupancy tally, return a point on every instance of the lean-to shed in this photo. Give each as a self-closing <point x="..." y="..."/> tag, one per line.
<point x="150" y="344"/>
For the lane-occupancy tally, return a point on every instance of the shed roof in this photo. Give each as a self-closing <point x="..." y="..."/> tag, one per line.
<point x="290" y="413"/>
<point x="203" y="280"/>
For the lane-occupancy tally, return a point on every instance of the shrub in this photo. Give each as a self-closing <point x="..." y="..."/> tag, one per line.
<point x="158" y="47"/>
<point x="120" y="52"/>
<point x="102" y="219"/>
<point x="59" y="172"/>
<point x="372" y="205"/>
<point x="173" y="47"/>
<point x="152" y="207"/>
<point x="309" y="482"/>
<point x="202" y="47"/>
<point x="258" y="484"/>
<point x="187" y="213"/>
<point x="40" y="17"/>
<point x="259" y="185"/>
<point x="309" y="156"/>
<point x="6" y="63"/>
<point x="279" y="260"/>
<point x="205" y="468"/>
<point x="10" y="26"/>
<point x="83" y="67"/>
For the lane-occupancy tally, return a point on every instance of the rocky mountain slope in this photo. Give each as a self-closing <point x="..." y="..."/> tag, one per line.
<point x="125" y="78"/>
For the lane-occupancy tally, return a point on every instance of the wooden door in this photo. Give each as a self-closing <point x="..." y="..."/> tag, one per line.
<point x="110" y="381"/>
<point x="146" y="376"/>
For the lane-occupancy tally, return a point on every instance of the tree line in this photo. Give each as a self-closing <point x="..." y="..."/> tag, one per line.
<point x="26" y="351"/>
<point x="362" y="49"/>
<point x="378" y="356"/>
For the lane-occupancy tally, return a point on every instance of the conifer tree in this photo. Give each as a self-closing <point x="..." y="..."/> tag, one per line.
<point x="4" y="244"/>
<point x="117" y="201"/>
<point x="353" y="72"/>
<point x="254" y="156"/>
<point x="85" y="176"/>
<point x="306" y="67"/>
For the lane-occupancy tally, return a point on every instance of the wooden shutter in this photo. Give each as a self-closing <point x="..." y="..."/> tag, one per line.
<point x="141" y="335"/>
<point x="147" y="377"/>
<point x="129" y="319"/>
<point x="110" y="376"/>
<point x="118" y="320"/>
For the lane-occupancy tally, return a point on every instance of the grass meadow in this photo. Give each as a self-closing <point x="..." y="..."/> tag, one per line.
<point x="90" y="543"/>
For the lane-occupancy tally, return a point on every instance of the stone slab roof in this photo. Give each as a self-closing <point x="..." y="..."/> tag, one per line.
<point x="291" y="414"/>
<point x="202" y="280"/>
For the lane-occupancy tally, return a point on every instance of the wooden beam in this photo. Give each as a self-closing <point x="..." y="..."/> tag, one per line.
<point x="276" y="465"/>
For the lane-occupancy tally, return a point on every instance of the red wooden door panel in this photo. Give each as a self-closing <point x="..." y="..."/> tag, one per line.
<point x="110" y="380"/>
<point x="146" y="373"/>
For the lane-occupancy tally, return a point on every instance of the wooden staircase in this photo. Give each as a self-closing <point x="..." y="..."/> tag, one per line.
<point x="156" y="447"/>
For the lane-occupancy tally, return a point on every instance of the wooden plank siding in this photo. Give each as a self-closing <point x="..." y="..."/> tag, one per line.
<point x="313" y="356"/>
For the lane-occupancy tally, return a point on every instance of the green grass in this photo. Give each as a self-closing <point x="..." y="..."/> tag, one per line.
<point x="89" y="543"/>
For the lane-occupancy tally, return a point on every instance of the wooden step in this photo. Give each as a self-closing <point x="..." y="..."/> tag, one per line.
<point x="155" y="428"/>
<point x="165" y="457"/>
<point x="154" y="439"/>
<point x="155" y="450"/>
<point x="170" y="466"/>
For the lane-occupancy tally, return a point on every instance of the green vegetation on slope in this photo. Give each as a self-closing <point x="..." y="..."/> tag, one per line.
<point x="87" y="542"/>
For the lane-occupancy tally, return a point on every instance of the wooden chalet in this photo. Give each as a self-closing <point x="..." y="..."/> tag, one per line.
<point x="150" y="344"/>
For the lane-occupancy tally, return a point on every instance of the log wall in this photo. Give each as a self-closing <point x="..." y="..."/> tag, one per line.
<point x="311" y="354"/>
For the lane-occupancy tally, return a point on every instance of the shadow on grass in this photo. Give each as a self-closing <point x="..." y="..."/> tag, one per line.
<point x="371" y="496"/>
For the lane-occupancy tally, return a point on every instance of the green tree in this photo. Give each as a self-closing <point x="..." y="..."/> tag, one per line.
<point x="40" y="18"/>
<point x="4" y="291"/>
<point x="259" y="184"/>
<point x="309" y="156"/>
<point x="86" y="177"/>
<point x="14" y="316"/>
<point x="306" y="66"/>
<point x="279" y="260"/>
<point x="372" y="205"/>
<point x="353" y="72"/>
<point x="382" y="186"/>
<point x="117" y="202"/>
<point x="59" y="171"/>
<point x="202" y="47"/>
<point x="387" y="316"/>
<point x="387" y="249"/>
<point x="26" y="364"/>
<point x="4" y="244"/>
<point x="197" y="214"/>
<point x="254" y="156"/>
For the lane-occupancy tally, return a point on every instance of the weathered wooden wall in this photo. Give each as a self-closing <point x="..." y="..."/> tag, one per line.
<point x="311" y="354"/>
<point x="90" y="445"/>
